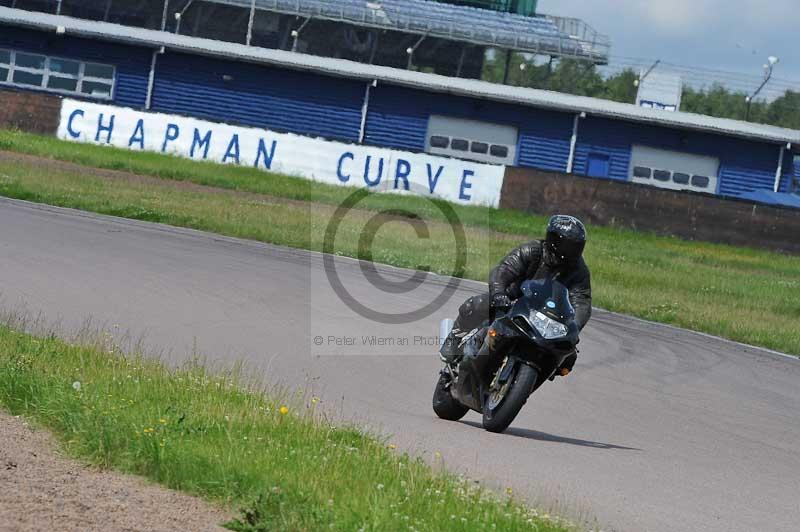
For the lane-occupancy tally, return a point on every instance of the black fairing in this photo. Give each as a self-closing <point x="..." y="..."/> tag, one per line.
<point x="471" y="371"/>
<point x="483" y="354"/>
<point x="550" y="298"/>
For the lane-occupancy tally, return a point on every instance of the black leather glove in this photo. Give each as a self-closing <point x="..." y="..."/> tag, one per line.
<point x="501" y="301"/>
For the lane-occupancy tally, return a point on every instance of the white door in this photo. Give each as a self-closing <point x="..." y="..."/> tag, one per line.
<point x="673" y="169"/>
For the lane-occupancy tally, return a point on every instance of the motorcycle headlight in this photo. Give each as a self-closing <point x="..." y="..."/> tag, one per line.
<point x="547" y="327"/>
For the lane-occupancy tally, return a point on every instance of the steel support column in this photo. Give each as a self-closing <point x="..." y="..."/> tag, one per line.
<point x="250" y="22"/>
<point x="364" y="110"/>
<point x="151" y="80"/>
<point x="779" y="171"/>
<point x="573" y="142"/>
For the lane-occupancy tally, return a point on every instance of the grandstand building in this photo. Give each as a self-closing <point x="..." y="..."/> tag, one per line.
<point x="449" y="37"/>
<point x="365" y="104"/>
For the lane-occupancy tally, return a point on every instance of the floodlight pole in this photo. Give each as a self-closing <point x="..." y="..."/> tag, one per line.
<point x="58" y="7"/>
<point x="643" y="77"/>
<point x="411" y="49"/>
<point x="179" y="16"/>
<point x="374" y="49"/>
<point x="768" y="75"/>
<point x="507" y="67"/>
<point x="164" y="15"/>
<point x="296" y="33"/>
<point x="250" y="22"/>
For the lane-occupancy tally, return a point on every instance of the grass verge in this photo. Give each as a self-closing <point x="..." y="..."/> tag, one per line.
<point x="742" y="294"/>
<point x="216" y="437"/>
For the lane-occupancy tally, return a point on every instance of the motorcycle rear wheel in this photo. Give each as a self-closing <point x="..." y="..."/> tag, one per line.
<point x="498" y="419"/>
<point x="444" y="404"/>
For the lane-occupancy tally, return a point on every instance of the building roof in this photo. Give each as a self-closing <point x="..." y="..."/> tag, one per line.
<point x="419" y="80"/>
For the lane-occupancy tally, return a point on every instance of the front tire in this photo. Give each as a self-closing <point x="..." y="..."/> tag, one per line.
<point x="444" y="404"/>
<point x="498" y="419"/>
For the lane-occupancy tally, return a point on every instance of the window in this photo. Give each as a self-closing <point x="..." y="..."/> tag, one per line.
<point x="680" y="178"/>
<point x="93" y="70"/>
<point x="661" y="175"/>
<point x="479" y="147"/>
<point x="700" y="181"/>
<point x="56" y="74"/>
<point x="93" y="88"/>
<point x="30" y="61"/>
<point x="438" y="141"/>
<point x="459" y="144"/>
<point x="62" y="84"/>
<point x="62" y="66"/>
<point x="499" y="151"/>
<point x="22" y="77"/>
<point x="642" y="171"/>
<point x="5" y="65"/>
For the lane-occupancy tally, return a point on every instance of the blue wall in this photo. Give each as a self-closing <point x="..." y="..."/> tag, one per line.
<point x="281" y="100"/>
<point x="133" y="63"/>
<point x="330" y="107"/>
<point x="399" y="117"/>
<point x="744" y="165"/>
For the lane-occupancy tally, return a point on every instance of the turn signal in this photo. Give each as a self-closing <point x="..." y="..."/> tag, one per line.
<point x="565" y="372"/>
<point x="492" y="332"/>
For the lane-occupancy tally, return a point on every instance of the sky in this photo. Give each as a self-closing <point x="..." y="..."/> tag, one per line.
<point x="730" y="35"/>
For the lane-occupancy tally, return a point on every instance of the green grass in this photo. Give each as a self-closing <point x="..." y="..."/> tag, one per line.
<point x="742" y="294"/>
<point x="223" y="439"/>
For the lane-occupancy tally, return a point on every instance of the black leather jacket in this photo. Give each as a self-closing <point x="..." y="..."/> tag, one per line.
<point x="526" y="262"/>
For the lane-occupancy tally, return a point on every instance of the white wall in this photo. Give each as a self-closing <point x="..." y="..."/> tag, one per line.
<point x="336" y="163"/>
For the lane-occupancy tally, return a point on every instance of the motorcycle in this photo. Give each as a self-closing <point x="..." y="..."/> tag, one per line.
<point x="501" y="363"/>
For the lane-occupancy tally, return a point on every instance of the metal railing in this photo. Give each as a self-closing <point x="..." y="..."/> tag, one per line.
<point x="569" y="37"/>
<point x="563" y="37"/>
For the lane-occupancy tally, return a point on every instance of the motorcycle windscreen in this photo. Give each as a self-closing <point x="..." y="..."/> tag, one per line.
<point x="549" y="297"/>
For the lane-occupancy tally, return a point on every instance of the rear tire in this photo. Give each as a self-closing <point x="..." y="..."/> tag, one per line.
<point x="445" y="406"/>
<point x="499" y="418"/>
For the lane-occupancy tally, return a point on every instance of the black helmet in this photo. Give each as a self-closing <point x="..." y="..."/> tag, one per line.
<point x="566" y="238"/>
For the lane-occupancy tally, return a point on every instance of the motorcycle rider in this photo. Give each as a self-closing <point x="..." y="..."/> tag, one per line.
<point x="558" y="256"/>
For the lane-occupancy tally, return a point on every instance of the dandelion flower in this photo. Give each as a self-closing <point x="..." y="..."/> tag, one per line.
<point x="437" y="454"/>
<point x="284" y="410"/>
<point x="314" y="400"/>
<point x="162" y="421"/>
<point x="509" y="491"/>
<point x="392" y="446"/>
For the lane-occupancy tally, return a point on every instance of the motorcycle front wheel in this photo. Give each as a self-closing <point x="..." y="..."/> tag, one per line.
<point x="503" y="404"/>
<point x="444" y="404"/>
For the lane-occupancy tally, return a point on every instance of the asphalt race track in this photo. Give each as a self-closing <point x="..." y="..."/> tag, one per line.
<point x="657" y="430"/>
